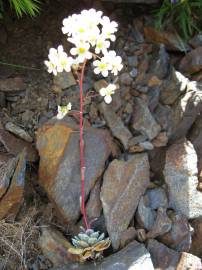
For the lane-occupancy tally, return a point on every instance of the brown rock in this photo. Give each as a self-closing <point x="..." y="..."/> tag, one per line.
<point x="54" y="246"/>
<point x="196" y="247"/>
<point x="179" y="237"/>
<point x="154" y="81"/>
<point x="127" y="236"/>
<point x="160" y="140"/>
<point x="12" y="84"/>
<point x="162" y="256"/>
<point x="189" y="261"/>
<point x="58" y="145"/>
<point x="94" y="205"/>
<point x="169" y="39"/>
<point x="141" y="235"/>
<point x="14" y="145"/>
<point x="12" y="200"/>
<point x="64" y="80"/>
<point x="100" y="84"/>
<point x="192" y="61"/>
<point x="125" y="79"/>
<point x="124" y="183"/>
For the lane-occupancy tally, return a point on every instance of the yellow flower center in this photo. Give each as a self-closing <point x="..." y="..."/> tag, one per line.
<point x="102" y="66"/>
<point x="81" y="50"/>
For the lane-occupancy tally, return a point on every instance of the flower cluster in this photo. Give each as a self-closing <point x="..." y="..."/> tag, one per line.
<point x="90" y="34"/>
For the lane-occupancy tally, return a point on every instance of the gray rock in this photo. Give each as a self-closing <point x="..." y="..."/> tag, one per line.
<point x="162" y="257"/>
<point x="134" y="72"/>
<point x="120" y="198"/>
<point x="145" y="216"/>
<point x="146" y="145"/>
<point x="156" y="197"/>
<point x="192" y="61"/>
<point x="172" y="87"/>
<point x="181" y="177"/>
<point x="163" y="114"/>
<point x="143" y="121"/>
<point x="196" y="41"/>
<point x="133" y="61"/>
<point x="134" y="256"/>
<point x="186" y="110"/>
<point x="153" y="98"/>
<point x="64" y="80"/>
<point x="115" y="124"/>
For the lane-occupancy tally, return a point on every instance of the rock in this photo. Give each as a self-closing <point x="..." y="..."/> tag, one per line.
<point x="162" y="257"/>
<point x="137" y="139"/>
<point x="156" y="198"/>
<point x="125" y="79"/>
<point x="64" y="80"/>
<point x="18" y="131"/>
<point x="163" y="114"/>
<point x="127" y="236"/>
<point x="195" y="136"/>
<point x="181" y="177"/>
<point x="146" y="145"/>
<point x="100" y="84"/>
<point x="3" y="34"/>
<point x="170" y="40"/>
<point x="12" y="84"/>
<point x="143" y="121"/>
<point x="14" y="146"/>
<point x="94" y="205"/>
<point x="133" y="255"/>
<point x="161" y="225"/>
<point x="196" y="247"/>
<point x="160" y="140"/>
<point x="145" y="216"/>
<point x="132" y="61"/>
<point x="173" y="87"/>
<point x="153" y="98"/>
<point x="2" y="100"/>
<point x="141" y="235"/>
<point x="115" y="124"/>
<point x="54" y="246"/>
<point x="192" y="61"/>
<point x="154" y="81"/>
<point x="6" y="172"/>
<point x="137" y="30"/>
<point x="161" y="64"/>
<point x="179" y="237"/>
<point x="12" y="200"/>
<point x="186" y="111"/>
<point x="196" y="41"/>
<point x="120" y="198"/>
<point x="59" y="172"/>
<point x="189" y="261"/>
<point x="157" y="162"/>
<point x="133" y="72"/>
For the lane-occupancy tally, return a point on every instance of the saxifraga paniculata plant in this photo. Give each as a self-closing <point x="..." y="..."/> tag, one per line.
<point x="90" y="34"/>
<point x="183" y="15"/>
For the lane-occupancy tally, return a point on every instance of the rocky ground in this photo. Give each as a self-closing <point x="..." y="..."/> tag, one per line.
<point x="143" y="151"/>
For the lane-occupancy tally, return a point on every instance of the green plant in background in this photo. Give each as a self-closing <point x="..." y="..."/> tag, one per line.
<point x="183" y="15"/>
<point x="21" y="7"/>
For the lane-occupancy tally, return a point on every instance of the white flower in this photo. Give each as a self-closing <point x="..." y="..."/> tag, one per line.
<point x="63" y="110"/>
<point x="115" y="61"/>
<point x="102" y="66"/>
<point x="109" y="28"/>
<point x="58" y="61"/>
<point x="82" y="50"/>
<point x="92" y="17"/>
<point x="68" y="23"/>
<point x="101" y="45"/>
<point x="52" y="67"/>
<point x="107" y="92"/>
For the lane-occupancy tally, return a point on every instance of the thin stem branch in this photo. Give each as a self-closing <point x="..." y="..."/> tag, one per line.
<point x="82" y="158"/>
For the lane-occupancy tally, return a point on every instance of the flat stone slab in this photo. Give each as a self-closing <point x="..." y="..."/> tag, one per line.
<point x="58" y="145"/>
<point x="181" y="177"/>
<point x="124" y="183"/>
